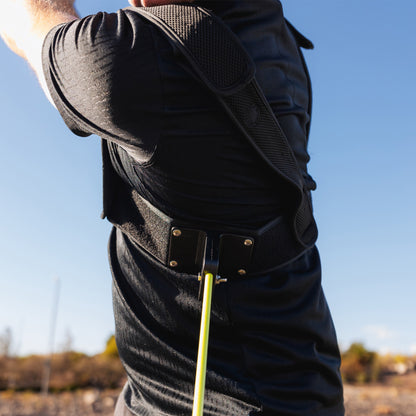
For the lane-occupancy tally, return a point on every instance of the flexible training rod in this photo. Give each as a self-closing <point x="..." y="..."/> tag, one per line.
<point x="201" y="365"/>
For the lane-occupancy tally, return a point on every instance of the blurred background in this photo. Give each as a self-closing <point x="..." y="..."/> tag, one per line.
<point x="53" y="243"/>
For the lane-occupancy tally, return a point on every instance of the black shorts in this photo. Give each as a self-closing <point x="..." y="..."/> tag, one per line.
<point x="121" y="408"/>
<point x="273" y="348"/>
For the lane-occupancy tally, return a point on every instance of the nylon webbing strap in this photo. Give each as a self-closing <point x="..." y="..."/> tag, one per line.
<point x="218" y="58"/>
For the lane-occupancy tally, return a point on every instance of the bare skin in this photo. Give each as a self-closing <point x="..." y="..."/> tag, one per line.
<point x="150" y="3"/>
<point x="25" y="23"/>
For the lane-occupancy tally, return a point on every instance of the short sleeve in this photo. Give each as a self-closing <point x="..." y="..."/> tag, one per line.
<point x="102" y="73"/>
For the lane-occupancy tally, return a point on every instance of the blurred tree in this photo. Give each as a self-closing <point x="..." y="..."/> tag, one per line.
<point x="68" y="342"/>
<point x="111" y="347"/>
<point x="360" y="365"/>
<point x="6" y="341"/>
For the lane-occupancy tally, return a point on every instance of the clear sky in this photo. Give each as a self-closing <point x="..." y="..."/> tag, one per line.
<point x="363" y="145"/>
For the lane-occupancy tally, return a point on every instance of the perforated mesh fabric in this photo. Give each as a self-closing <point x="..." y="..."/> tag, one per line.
<point x="304" y="222"/>
<point x="257" y="120"/>
<point x="207" y="40"/>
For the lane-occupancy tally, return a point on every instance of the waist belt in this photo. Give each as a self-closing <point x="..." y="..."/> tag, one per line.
<point x="184" y="247"/>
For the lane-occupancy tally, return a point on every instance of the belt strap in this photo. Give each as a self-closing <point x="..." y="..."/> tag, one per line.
<point x="179" y="245"/>
<point x="217" y="57"/>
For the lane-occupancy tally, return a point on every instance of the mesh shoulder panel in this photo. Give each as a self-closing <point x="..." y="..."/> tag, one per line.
<point x="212" y="49"/>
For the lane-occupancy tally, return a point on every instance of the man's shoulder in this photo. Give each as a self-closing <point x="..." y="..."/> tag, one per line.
<point x="102" y="71"/>
<point x="96" y="31"/>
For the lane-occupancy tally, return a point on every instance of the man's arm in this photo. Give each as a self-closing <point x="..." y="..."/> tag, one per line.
<point x="25" y="23"/>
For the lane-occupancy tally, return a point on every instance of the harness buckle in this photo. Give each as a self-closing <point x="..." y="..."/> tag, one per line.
<point x="198" y="252"/>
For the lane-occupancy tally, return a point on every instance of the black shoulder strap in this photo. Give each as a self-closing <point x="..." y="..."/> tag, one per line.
<point x="218" y="58"/>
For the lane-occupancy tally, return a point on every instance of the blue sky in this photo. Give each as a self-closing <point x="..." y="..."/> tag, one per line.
<point x="362" y="144"/>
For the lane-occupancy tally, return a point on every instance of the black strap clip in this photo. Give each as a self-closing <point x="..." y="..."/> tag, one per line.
<point x="198" y="252"/>
<point x="210" y="264"/>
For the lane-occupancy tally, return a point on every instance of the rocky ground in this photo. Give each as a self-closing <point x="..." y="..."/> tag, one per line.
<point x="84" y="403"/>
<point x="378" y="401"/>
<point x="396" y="397"/>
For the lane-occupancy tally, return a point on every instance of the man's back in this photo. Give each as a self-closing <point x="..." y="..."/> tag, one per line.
<point x="141" y="96"/>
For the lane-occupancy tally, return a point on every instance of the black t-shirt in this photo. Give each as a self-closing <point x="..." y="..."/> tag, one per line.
<point x="116" y="76"/>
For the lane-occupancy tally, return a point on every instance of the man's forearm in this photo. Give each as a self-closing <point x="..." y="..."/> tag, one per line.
<point x="25" y="23"/>
<point x="45" y="6"/>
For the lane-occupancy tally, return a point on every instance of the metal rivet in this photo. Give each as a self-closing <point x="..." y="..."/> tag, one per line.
<point x="248" y="242"/>
<point x="173" y="263"/>
<point x="177" y="233"/>
<point x="242" y="272"/>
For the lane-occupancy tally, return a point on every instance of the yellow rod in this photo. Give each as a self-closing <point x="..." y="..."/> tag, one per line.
<point x="201" y="365"/>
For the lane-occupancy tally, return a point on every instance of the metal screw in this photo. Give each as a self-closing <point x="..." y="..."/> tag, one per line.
<point x="173" y="263"/>
<point x="248" y="242"/>
<point x="177" y="233"/>
<point x="242" y="272"/>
